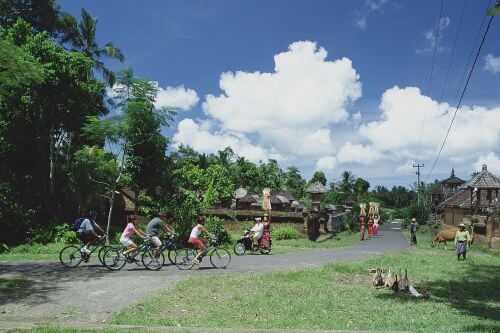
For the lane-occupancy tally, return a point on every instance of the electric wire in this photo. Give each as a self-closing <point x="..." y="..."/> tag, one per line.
<point x="427" y="155"/>
<point x="438" y="28"/>
<point x="462" y="95"/>
<point x="463" y="75"/>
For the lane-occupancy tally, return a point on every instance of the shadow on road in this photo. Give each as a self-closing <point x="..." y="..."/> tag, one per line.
<point x="42" y="280"/>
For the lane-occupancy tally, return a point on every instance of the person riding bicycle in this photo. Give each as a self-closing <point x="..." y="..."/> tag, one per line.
<point x="200" y="243"/>
<point x="127" y="233"/>
<point x="88" y="231"/>
<point x="155" y="228"/>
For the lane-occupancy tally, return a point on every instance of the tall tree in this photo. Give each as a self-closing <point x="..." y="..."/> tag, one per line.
<point x="319" y="176"/>
<point x="41" y="15"/>
<point x="82" y="36"/>
<point x="361" y="187"/>
<point x="347" y="181"/>
<point x="294" y="183"/>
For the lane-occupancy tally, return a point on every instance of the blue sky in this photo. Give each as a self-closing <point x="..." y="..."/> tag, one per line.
<point x="318" y="111"/>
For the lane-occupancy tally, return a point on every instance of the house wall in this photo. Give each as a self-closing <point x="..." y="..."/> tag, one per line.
<point x="454" y="216"/>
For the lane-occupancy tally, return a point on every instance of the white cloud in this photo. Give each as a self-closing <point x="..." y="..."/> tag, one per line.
<point x="405" y="168"/>
<point x="476" y="129"/>
<point x="361" y="16"/>
<point x="306" y="91"/>
<point x="326" y="163"/>
<point x="430" y="38"/>
<point x="356" y="117"/>
<point x="492" y="63"/>
<point x="492" y="161"/>
<point x="199" y="138"/>
<point x="358" y="153"/>
<point x="177" y="97"/>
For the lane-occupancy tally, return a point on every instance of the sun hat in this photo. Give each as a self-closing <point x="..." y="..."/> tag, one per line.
<point x="414" y="220"/>
<point x="461" y="225"/>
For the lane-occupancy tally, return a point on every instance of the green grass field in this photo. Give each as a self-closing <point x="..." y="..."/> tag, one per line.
<point x="464" y="296"/>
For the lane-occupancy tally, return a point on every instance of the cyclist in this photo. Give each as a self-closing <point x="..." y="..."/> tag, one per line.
<point x="155" y="228"/>
<point x="200" y="243"/>
<point x="88" y="231"/>
<point x="130" y="229"/>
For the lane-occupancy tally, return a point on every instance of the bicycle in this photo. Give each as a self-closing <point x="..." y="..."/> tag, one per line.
<point x="115" y="260"/>
<point x="171" y="247"/>
<point x="72" y="255"/>
<point x="219" y="257"/>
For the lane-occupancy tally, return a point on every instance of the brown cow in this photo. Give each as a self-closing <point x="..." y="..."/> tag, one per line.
<point x="448" y="235"/>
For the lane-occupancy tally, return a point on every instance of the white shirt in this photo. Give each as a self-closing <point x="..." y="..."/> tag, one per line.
<point x="195" y="232"/>
<point x="258" y="228"/>
<point x="375" y="221"/>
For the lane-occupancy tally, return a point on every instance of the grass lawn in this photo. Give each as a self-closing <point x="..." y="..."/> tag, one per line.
<point x="464" y="296"/>
<point x="33" y="252"/>
<point x="425" y="237"/>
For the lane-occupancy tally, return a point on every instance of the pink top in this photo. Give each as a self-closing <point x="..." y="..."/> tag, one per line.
<point x="129" y="230"/>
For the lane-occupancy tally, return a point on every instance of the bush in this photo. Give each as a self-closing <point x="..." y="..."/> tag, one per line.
<point x="215" y="225"/>
<point x="285" y="231"/>
<point x="64" y="235"/>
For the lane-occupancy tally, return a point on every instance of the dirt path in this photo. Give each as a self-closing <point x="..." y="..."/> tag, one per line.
<point x="92" y="293"/>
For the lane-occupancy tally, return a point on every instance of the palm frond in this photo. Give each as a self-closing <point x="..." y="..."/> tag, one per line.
<point x="113" y="52"/>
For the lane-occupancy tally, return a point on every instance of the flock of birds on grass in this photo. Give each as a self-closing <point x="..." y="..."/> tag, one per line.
<point x="398" y="283"/>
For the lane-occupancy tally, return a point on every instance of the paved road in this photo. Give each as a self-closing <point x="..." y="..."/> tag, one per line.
<point x="93" y="293"/>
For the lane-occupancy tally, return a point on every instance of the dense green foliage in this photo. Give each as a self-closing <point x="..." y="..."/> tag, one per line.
<point x="284" y="231"/>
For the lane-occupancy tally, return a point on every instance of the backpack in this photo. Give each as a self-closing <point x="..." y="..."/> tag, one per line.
<point x="77" y="223"/>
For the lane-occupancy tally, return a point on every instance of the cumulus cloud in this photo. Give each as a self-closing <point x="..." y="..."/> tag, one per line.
<point x="405" y="168"/>
<point x="491" y="160"/>
<point x="177" y="97"/>
<point x="492" y="63"/>
<point x="361" y="15"/>
<point x="305" y="91"/>
<point x="326" y="163"/>
<point x="199" y="138"/>
<point x="430" y="38"/>
<point x="358" y="153"/>
<point x="289" y="110"/>
<point x="475" y="130"/>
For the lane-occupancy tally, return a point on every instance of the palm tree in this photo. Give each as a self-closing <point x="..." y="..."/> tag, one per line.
<point x="82" y="36"/>
<point x="347" y="182"/>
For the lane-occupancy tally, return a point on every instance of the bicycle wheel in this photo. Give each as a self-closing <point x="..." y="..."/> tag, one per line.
<point x="220" y="258"/>
<point x="184" y="258"/>
<point x="114" y="260"/>
<point x="152" y="263"/>
<point x="171" y="254"/>
<point x="101" y="253"/>
<point x="239" y="249"/>
<point x="70" y="256"/>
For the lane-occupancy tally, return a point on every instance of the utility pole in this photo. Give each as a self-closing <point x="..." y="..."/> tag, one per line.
<point x="418" y="166"/>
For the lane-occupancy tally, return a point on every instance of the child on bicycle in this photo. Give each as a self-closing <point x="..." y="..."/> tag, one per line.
<point x="130" y="230"/>
<point x="200" y="243"/>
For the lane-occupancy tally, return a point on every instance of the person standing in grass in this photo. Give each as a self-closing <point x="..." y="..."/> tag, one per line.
<point x="462" y="241"/>
<point x="413" y="231"/>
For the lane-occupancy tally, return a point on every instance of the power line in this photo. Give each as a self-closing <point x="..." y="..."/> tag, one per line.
<point x="462" y="96"/>
<point x="432" y="70"/>
<point x="464" y="73"/>
<point x="448" y="72"/>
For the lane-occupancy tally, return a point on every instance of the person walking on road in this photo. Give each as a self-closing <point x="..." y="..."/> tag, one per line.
<point x="361" y="228"/>
<point x="413" y="231"/>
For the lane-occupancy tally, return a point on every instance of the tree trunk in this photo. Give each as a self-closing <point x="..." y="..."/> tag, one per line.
<point x="52" y="160"/>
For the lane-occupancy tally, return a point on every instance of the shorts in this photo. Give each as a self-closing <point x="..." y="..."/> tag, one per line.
<point x="86" y="236"/>
<point x="126" y="241"/>
<point x="156" y="241"/>
<point x="196" y="242"/>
